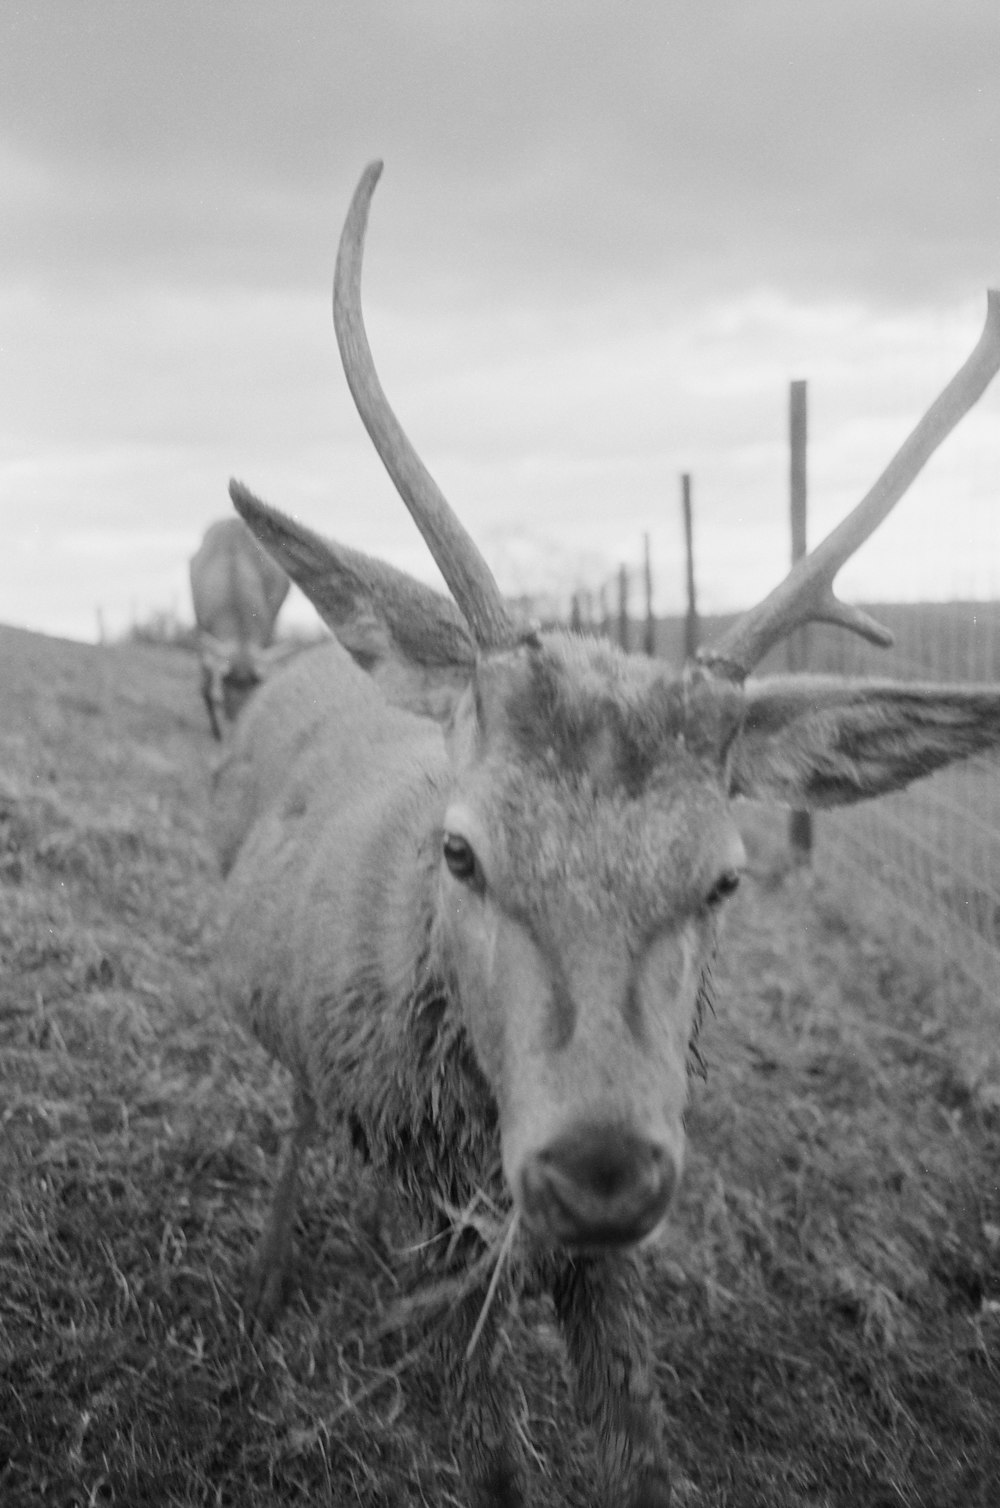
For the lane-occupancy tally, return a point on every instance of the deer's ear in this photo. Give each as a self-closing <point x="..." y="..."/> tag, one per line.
<point x="815" y="741"/>
<point x="412" y="640"/>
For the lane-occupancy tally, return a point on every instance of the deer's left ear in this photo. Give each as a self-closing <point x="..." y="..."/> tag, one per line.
<point x="411" y="640"/>
<point x="812" y="741"/>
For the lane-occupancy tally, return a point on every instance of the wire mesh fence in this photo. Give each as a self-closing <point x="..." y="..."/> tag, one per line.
<point x="930" y="854"/>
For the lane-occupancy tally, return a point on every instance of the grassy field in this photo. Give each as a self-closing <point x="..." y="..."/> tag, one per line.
<point x="827" y="1298"/>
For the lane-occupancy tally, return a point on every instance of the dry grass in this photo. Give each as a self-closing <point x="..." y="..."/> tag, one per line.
<point x="827" y="1298"/>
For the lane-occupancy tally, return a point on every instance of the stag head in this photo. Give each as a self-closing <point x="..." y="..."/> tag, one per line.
<point x="585" y="844"/>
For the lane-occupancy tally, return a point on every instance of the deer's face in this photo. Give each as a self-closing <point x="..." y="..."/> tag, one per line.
<point x="586" y="855"/>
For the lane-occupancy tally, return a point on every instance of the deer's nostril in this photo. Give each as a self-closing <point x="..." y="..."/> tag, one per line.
<point x="604" y="1161"/>
<point x="597" y="1185"/>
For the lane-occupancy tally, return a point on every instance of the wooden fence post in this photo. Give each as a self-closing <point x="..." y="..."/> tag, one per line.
<point x="691" y="616"/>
<point x="649" y="634"/>
<point x="575" y="616"/>
<point x="623" y="633"/>
<point x="800" y="828"/>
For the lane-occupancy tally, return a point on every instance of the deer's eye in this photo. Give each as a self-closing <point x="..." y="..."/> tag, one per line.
<point x="725" y="885"/>
<point x="461" y="860"/>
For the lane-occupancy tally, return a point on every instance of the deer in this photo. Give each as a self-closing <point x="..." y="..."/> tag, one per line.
<point x="474" y="879"/>
<point x="238" y="592"/>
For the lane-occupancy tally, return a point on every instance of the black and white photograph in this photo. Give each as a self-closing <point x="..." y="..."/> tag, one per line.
<point x="499" y="754"/>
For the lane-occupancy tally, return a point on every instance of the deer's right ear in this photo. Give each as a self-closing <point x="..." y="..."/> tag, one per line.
<point x="816" y="741"/>
<point x="412" y="640"/>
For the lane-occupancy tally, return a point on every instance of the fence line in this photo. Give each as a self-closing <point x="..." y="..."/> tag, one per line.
<point x="933" y="851"/>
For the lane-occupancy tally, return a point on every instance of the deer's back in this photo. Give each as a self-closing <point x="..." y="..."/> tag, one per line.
<point x="236" y="588"/>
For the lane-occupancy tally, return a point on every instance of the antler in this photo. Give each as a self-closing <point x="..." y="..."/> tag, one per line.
<point x="806" y="594"/>
<point x="463" y="568"/>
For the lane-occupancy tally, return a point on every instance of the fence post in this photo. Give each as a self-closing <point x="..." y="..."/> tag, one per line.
<point x="649" y="635"/>
<point x="623" y="633"/>
<point x="575" y="616"/>
<point x="800" y="827"/>
<point x="691" y="616"/>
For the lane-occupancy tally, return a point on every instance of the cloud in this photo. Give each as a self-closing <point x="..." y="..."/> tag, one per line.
<point x="838" y="145"/>
<point x="604" y="241"/>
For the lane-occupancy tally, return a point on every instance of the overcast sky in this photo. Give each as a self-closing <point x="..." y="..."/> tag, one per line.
<point x="605" y="240"/>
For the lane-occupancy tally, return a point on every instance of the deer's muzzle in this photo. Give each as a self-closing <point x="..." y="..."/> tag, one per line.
<point x="597" y="1185"/>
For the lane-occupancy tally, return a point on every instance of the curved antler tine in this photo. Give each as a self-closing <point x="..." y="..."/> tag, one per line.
<point x="468" y="576"/>
<point x="806" y="594"/>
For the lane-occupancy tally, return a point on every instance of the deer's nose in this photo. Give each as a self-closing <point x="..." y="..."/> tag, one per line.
<point x="597" y="1185"/>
